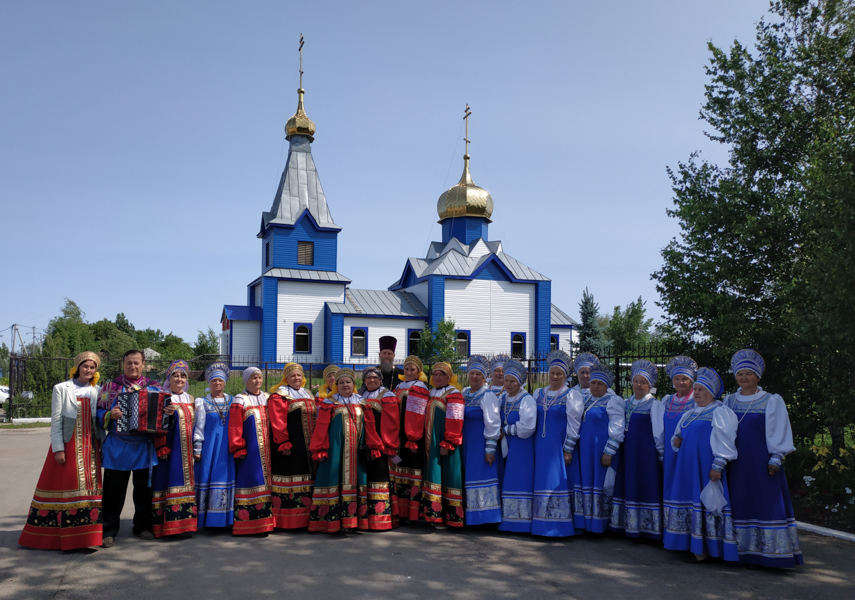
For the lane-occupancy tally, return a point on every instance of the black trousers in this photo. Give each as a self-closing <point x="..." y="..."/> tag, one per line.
<point x="113" y="500"/>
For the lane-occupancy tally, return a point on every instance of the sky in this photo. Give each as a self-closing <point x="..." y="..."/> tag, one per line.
<point x="141" y="141"/>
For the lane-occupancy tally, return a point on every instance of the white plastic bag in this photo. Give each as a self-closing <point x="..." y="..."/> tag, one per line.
<point x="712" y="497"/>
<point x="609" y="482"/>
<point x="505" y="447"/>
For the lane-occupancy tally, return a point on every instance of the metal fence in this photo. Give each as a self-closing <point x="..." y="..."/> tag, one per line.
<point x="816" y="384"/>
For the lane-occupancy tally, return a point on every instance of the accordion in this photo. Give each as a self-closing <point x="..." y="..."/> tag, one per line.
<point x="142" y="413"/>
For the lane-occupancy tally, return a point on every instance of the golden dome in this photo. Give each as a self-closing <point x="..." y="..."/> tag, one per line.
<point x="465" y="199"/>
<point x="300" y="124"/>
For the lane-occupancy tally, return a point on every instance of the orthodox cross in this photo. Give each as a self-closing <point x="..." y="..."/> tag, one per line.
<point x="466" y="118"/>
<point x="301" y="60"/>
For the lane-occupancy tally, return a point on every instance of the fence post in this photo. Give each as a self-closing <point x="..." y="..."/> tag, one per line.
<point x="618" y="391"/>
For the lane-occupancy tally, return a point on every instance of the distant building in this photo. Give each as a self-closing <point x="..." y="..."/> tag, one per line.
<point x="302" y="309"/>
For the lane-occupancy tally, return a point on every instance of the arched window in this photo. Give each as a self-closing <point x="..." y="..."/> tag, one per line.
<point x="413" y="341"/>
<point x="463" y="343"/>
<point x="518" y="345"/>
<point x="302" y="338"/>
<point x="358" y="342"/>
<point x="553" y="343"/>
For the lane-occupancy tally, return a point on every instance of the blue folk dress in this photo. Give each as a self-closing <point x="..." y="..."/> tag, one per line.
<point x="215" y="473"/>
<point x="519" y="420"/>
<point x="481" y="424"/>
<point x="763" y="517"/>
<point x="601" y="433"/>
<point x="708" y="440"/>
<point x="637" y="500"/>
<point x="249" y="442"/>
<point x="674" y="407"/>
<point x="559" y="414"/>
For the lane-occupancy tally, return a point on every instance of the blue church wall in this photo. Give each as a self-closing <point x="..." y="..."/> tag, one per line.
<point x="492" y="272"/>
<point x="333" y="336"/>
<point x="436" y="300"/>
<point x="465" y="229"/>
<point x="283" y="246"/>
<point x="269" y="291"/>
<point x="250" y="295"/>
<point x="543" y="317"/>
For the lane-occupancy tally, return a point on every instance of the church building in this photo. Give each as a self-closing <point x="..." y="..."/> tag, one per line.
<point x="301" y="309"/>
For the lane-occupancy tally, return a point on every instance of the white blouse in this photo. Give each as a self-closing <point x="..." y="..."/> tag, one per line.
<point x="779" y="432"/>
<point x="201" y="419"/>
<point x="247" y="399"/>
<point x="524" y="428"/>
<point x="722" y="436"/>
<point x="287" y="390"/>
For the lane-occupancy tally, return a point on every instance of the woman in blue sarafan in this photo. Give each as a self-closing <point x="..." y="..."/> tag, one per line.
<point x="681" y="370"/>
<point x="481" y="425"/>
<point x="519" y="420"/>
<point x="582" y="366"/>
<point x="697" y="514"/>
<point x="601" y="435"/>
<point x="763" y="517"/>
<point x="559" y="415"/>
<point x="637" y="501"/>
<point x="215" y="465"/>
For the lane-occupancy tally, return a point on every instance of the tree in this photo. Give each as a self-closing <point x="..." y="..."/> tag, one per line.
<point x="68" y="334"/>
<point x="4" y="360"/>
<point x="207" y="342"/>
<point x="438" y="345"/>
<point x="765" y="257"/>
<point x="629" y="328"/>
<point x="591" y="336"/>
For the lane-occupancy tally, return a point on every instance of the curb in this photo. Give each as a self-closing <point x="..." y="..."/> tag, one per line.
<point x="840" y="535"/>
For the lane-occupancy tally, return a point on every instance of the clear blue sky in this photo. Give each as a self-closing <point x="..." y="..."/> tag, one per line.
<point x="140" y="142"/>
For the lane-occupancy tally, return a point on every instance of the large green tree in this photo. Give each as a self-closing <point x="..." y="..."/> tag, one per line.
<point x="439" y="344"/>
<point x="68" y="334"/>
<point x="629" y="327"/>
<point x="591" y="337"/>
<point x="765" y="256"/>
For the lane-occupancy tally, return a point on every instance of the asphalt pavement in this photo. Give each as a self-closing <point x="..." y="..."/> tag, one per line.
<point x="411" y="563"/>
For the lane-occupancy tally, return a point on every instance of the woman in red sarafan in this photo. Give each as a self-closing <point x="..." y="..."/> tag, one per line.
<point x="66" y="510"/>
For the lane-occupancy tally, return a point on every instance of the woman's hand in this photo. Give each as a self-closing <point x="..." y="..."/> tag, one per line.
<point x="115" y="413"/>
<point x="59" y="457"/>
<point x="677" y="442"/>
<point x="773" y="469"/>
<point x="715" y="475"/>
<point x="568" y="458"/>
<point x="443" y="451"/>
<point x="197" y="457"/>
<point x="285" y="452"/>
<point x="490" y="458"/>
<point x="169" y="410"/>
<point x="606" y="460"/>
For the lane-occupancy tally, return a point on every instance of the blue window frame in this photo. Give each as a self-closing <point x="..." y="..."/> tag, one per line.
<point x="554" y="342"/>
<point x="414" y="338"/>
<point x="464" y="342"/>
<point x="517" y="345"/>
<point x="359" y="341"/>
<point x="302" y="338"/>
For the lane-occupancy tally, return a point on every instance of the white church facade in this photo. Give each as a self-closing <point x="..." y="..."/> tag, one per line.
<point x="301" y="309"/>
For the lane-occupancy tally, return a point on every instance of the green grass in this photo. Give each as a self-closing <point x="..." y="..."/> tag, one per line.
<point x="22" y="425"/>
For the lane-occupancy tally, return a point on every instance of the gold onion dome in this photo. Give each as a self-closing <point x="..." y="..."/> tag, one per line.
<point x="300" y="123"/>
<point x="465" y="199"/>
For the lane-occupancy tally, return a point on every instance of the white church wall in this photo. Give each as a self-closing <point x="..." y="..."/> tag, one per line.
<point x="491" y="310"/>
<point x="224" y="342"/>
<point x="377" y="328"/>
<point x="246" y="341"/>
<point x="566" y="338"/>
<point x="303" y="302"/>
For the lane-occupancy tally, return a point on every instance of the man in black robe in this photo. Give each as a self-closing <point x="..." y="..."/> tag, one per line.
<point x="387" y="362"/>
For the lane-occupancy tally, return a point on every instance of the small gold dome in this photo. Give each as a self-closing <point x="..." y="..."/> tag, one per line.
<point x="465" y="199"/>
<point x="300" y="124"/>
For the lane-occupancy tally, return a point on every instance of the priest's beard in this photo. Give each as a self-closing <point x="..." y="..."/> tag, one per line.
<point x="387" y="366"/>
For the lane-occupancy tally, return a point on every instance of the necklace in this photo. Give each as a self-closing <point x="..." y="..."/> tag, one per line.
<point x="474" y="399"/>
<point x="559" y="394"/>
<point x="508" y="406"/>
<point x="672" y="411"/>
<point x="590" y="402"/>
<point x="695" y="416"/>
<point x="747" y="410"/>
<point x="220" y="411"/>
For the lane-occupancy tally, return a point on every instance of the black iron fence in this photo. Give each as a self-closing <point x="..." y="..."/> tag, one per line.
<point x="817" y="385"/>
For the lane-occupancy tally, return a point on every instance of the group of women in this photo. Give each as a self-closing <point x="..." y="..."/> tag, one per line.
<point x="697" y="473"/>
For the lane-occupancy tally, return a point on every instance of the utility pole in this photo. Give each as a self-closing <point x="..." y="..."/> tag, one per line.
<point x="14" y="329"/>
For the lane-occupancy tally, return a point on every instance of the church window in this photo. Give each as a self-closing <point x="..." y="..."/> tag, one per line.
<point x="358" y="341"/>
<point x="306" y="253"/>
<point x="518" y="345"/>
<point x="302" y="338"/>
<point x="413" y="342"/>
<point x="463" y="343"/>
<point x="553" y="343"/>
